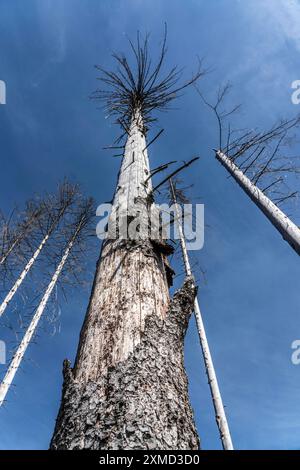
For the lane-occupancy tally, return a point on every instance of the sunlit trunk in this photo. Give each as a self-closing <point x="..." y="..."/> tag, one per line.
<point x="9" y="296"/>
<point x="10" y="249"/>
<point x="18" y="356"/>
<point x="289" y="231"/>
<point x="20" y="236"/>
<point x="22" y="276"/>
<point x="208" y="362"/>
<point x="128" y="388"/>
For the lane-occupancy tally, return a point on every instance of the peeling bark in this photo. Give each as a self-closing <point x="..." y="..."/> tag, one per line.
<point x="130" y="285"/>
<point x="142" y="402"/>
<point x="128" y="387"/>
<point x="131" y="281"/>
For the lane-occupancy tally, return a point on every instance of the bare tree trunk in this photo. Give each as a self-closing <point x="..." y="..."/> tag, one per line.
<point x="10" y="249"/>
<point x="17" y="359"/>
<point x="22" y="276"/>
<point x="289" y="231"/>
<point x="22" y="231"/>
<point x="128" y="388"/>
<point x="208" y="362"/>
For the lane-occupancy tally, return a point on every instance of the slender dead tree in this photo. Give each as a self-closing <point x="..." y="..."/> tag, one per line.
<point x="128" y="387"/>
<point x="11" y="239"/>
<point x="56" y="208"/>
<point x="220" y="414"/>
<point x="78" y="229"/>
<point x="289" y="231"/>
<point x="259" y="162"/>
<point x="4" y="236"/>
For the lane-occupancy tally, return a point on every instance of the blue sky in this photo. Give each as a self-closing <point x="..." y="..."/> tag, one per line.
<point x="49" y="128"/>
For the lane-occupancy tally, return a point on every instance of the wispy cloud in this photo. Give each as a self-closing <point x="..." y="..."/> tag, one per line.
<point x="53" y="25"/>
<point x="284" y="16"/>
<point x="52" y="17"/>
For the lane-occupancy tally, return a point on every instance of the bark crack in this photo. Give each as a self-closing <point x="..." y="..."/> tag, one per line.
<point x="127" y="407"/>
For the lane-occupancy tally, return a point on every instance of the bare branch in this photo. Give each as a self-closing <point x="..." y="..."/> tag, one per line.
<point x="140" y="86"/>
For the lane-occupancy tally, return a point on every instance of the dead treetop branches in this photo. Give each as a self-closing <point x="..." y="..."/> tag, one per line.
<point x="264" y="156"/>
<point x="142" y="85"/>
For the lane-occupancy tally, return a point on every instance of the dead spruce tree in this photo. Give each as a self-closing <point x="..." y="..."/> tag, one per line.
<point x="75" y="234"/>
<point x="220" y="414"/>
<point x="128" y="388"/>
<point x="261" y="164"/>
<point x="53" y="209"/>
<point x="258" y="164"/>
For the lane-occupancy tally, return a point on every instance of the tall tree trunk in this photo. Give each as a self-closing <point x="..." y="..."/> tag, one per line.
<point x="11" y="248"/>
<point x="289" y="231"/>
<point x="128" y="388"/>
<point x="18" y="356"/>
<point x="22" y="276"/>
<point x="18" y="237"/>
<point x="220" y="414"/>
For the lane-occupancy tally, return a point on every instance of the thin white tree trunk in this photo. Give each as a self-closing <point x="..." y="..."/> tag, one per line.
<point x="16" y="361"/>
<point x="289" y="231"/>
<point x="22" y="276"/>
<point x="209" y="366"/>
<point x="20" y="237"/>
<point x="30" y="263"/>
<point x="5" y="256"/>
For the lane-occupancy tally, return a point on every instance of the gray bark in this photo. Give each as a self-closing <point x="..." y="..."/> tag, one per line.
<point x="130" y="350"/>
<point x="142" y="403"/>
<point x="130" y="281"/>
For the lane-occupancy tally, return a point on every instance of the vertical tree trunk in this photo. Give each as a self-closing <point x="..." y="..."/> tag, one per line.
<point x="128" y="388"/>
<point x="208" y="362"/>
<point x="289" y="231"/>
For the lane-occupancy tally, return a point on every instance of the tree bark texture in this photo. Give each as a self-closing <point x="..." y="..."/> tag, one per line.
<point x="128" y="387"/>
<point x="142" y="402"/>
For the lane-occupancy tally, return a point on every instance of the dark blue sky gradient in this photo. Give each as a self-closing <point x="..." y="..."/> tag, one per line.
<point x="50" y="129"/>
